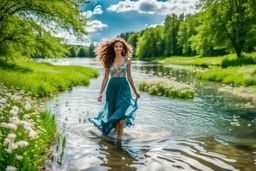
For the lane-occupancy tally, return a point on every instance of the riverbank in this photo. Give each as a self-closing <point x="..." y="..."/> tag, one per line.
<point x="42" y="79"/>
<point x="243" y="75"/>
<point x="26" y="129"/>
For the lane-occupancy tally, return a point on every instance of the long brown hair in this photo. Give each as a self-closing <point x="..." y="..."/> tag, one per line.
<point x="106" y="54"/>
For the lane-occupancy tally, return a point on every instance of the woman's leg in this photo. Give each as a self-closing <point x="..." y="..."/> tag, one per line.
<point x="117" y="127"/>
<point x="121" y="127"/>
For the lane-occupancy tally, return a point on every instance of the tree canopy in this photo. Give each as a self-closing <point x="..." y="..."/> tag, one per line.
<point x="27" y="27"/>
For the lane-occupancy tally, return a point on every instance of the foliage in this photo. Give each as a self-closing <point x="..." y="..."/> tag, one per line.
<point x="27" y="27"/>
<point x="26" y="131"/>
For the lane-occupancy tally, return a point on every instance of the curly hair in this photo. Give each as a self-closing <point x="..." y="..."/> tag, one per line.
<point x="106" y="54"/>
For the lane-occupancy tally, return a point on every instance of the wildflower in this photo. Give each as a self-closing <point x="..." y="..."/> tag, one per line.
<point x="12" y="136"/>
<point x="2" y="100"/>
<point x="8" y="125"/>
<point x="26" y="116"/>
<point x="11" y="168"/>
<point x="32" y="134"/>
<point x="18" y="157"/>
<point x="22" y="143"/>
<point x="15" y="98"/>
<point x="14" y="111"/>
<point x="9" y="151"/>
<point x="27" y="106"/>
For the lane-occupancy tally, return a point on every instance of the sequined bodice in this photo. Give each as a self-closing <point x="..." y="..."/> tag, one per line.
<point x="122" y="69"/>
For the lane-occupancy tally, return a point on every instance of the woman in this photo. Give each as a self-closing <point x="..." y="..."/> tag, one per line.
<point x="120" y="106"/>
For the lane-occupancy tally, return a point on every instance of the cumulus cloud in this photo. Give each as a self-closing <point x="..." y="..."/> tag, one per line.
<point x="72" y="40"/>
<point x="154" y="25"/>
<point x="155" y="7"/>
<point x="97" y="11"/>
<point x="95" y="25"/>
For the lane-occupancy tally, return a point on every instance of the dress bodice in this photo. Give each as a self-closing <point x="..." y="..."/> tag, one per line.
<point x="122" y="69"/>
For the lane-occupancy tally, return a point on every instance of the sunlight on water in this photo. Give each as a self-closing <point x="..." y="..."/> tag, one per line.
<point x="211" y="132"/>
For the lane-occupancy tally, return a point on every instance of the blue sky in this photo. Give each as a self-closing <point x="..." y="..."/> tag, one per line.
<point x="109" y="18"/>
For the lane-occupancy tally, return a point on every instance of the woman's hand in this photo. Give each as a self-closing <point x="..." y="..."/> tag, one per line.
<point x="100" y="98"/>
<point x="137" y="95"/>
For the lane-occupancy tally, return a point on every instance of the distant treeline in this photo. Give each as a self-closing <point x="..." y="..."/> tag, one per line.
<point x="81" y="51"/>
<point x="221" y="29"/>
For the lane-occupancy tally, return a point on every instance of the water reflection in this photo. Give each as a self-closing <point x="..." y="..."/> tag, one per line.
<point x="211" y="132"/>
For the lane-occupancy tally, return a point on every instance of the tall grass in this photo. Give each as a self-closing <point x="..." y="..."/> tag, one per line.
<point x="43" y="78"/>
<point x="244" y="75"/>
<point x="166" y="87"/>
<point x="246" y="59"/>
<point x="195" y="61"/>
<point x="25" y="130"/>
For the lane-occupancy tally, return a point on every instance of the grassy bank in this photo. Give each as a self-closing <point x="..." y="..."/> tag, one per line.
<point x="195" y="61"/>
<point x="223" y="61"/>
<point x="43" y="78"/>
<point x="166" y="87"/>
<point x="237" y="76"/>
<point x="26" y="130"/>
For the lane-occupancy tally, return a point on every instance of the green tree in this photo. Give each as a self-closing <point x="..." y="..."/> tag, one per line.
<point x="27" y="26"/>
<point x="230" y="22"/>
<point x="73" y="51"/>
<point x="171" y="27"/>
<point x="91" y="52"/>
<point x="186" y="31"/>
<point x="82" y="52"/>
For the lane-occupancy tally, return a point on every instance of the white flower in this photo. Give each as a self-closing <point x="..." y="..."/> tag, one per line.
<point x="2" y="100"/>
<point x="32" y="134"/>
<point x="27" y="116"/>
<point x="8" y="125"/>
<point x="22" y="143"/>
<point x="16" y="97"/>
<point x="12" y="136"/>
<point x="13" y="146"/>
<point x="19" y="157"/>
<point x="9" y="151"/>
<point x="27" y="106"/>
<point x="14" y="111"/>
<point x="11" y="168"/>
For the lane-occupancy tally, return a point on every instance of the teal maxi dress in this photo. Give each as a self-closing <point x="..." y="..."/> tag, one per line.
<point x="120" y="105"/>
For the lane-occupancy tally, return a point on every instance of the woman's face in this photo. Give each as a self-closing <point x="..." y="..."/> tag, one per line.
<point x="118" y="47"/>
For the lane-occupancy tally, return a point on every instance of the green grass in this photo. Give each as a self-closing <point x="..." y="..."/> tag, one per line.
<point x="239" y="76"/>
<point x="43" y="78"/>
<point x="23" y="121"/>
<point x="195" y="60"/>
<point x="166" y="87"/>
<point x="223" y="61"/>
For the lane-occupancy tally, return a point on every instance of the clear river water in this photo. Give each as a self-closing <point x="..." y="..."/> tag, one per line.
<point x="213" y="131"/>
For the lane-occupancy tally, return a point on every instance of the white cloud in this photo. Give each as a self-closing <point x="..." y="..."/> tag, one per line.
<point x="154" y="25"/>
<point x="95" y="25"/>
<point x="72" y="40"/>
<point x="155" y="7"/>
<point x="97" y="11"/>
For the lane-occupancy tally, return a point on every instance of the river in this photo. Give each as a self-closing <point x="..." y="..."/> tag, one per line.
<point x="214" y="131"/>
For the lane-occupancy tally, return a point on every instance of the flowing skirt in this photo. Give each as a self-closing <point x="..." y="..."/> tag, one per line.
<point x="120" y="105"/>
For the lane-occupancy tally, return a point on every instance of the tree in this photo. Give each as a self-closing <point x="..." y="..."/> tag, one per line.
<point x="186" y="31"/>
<point x="82" y="52"/>
<point x="230" y="22"/>
<point x="171" y="27"/>
<point x="91" y="52"/>
<point x="27" y="26"/>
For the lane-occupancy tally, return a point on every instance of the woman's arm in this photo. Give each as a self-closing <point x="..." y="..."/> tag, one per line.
<point x="104" y="83"/>
<point x="129" y="76"/>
